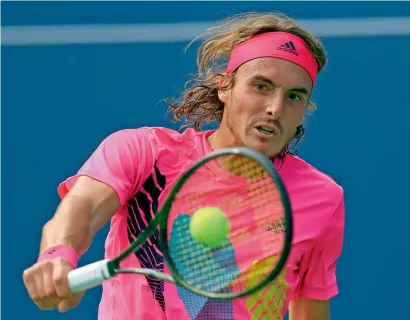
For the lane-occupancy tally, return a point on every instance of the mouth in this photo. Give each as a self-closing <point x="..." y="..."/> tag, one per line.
<point x="267" y="130"/>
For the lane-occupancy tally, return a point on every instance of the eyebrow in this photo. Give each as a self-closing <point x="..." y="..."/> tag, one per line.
<point x="302" y="90"/>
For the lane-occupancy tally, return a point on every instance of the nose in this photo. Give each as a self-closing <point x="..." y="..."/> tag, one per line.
<point x="276" y="105"/>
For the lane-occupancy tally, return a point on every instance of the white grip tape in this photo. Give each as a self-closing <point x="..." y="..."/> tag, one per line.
<point x="88" y="276"/>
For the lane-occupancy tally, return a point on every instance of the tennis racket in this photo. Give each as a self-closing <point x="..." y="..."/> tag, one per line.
<point x="244" y="185"/>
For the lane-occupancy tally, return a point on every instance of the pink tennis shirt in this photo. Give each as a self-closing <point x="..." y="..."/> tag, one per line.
<point x="141" y="164"/>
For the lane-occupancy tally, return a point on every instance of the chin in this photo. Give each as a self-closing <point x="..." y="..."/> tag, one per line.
<point x="266" y="148"/>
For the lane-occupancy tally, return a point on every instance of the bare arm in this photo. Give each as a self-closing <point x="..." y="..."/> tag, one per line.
<point x="306" y="309"/>
<point x="87" y="207"/>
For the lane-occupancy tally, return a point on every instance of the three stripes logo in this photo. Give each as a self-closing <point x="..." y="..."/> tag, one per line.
<point x="288" y="47"/>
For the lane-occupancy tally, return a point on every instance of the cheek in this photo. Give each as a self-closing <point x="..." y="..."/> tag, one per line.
<point x="247" y="104"/>
<point x="239" y="106"/>
<point x="295" y="117"/>
<point x="244" y="113"/>
<point x="237" y="115"/>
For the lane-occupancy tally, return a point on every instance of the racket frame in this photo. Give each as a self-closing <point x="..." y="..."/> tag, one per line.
<point x="266" y="163"/>
<point x="107" y="269"/>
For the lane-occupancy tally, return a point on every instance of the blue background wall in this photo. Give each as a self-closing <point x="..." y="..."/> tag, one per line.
<point x="60" y="101"/>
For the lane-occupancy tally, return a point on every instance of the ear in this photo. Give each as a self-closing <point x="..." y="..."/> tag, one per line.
<point x="223" y="94"/>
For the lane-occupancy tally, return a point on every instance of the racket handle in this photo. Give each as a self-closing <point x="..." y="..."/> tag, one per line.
<point x="89" y="276"/>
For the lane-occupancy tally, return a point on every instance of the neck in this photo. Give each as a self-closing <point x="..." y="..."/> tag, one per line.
<point x="223" y="139"/>
<point x="235" y="164"/>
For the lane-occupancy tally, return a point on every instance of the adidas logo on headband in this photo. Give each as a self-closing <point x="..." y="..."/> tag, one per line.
<point x="276" y="45"/>
<point x="288" y="47"/>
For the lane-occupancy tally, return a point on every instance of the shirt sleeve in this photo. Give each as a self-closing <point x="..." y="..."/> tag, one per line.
<point x="123" y="161"/>
<point x="319" y="279"/>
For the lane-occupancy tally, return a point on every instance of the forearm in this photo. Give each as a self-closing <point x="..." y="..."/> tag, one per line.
<point x="71" y="225"/>
<point x="307" y="309"/>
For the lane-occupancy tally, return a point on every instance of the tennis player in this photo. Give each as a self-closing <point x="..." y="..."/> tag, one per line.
<point x="259" y="98"/>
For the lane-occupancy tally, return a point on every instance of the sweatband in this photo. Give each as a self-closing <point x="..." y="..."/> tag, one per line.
<point x="280" y="45"/>
<point x="65" y="252"/>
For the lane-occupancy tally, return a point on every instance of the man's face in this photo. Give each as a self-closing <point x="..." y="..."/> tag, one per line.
<point x="266" y="104"/>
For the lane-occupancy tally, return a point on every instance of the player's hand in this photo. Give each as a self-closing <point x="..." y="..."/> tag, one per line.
<point x="47" y="285"/>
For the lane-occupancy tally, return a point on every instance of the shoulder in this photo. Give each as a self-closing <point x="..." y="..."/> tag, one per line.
<point x="189" y="143"/>
<point x="168" y="135"/>
<point x="317" y="199"/>
<point x="160" y="136"/>
<point x="303" y="174"/>
<point x="159" y="143"/>
<point x="175" y="151"/>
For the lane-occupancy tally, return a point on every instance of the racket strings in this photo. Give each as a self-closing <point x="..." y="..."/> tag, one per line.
<point x="250" y="250"/>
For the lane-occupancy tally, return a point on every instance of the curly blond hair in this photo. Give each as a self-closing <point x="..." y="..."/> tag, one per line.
<point x="199" y="103"/>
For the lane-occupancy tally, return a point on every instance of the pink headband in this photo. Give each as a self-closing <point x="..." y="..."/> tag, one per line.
<point x="280" y="45"/>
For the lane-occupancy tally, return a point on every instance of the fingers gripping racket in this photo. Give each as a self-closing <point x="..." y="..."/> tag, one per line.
<point x="225" y="229"/>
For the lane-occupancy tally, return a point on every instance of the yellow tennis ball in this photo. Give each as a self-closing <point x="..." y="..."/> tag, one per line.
<point x="209" y="226"/>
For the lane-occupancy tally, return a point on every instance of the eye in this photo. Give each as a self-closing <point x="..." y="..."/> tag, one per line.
<point x="296" y="97"/>
<point x="263" y="87"/>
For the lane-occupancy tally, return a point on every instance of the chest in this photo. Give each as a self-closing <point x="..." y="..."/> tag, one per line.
<point x="207" y="189"/>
